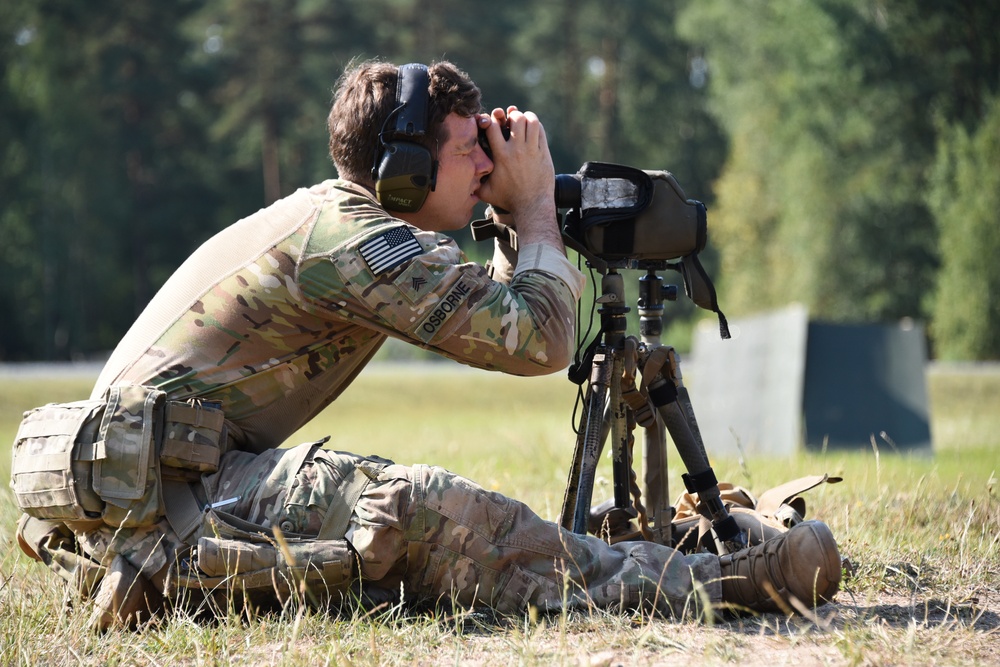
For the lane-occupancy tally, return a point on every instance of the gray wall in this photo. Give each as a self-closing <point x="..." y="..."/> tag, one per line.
<point x="783" y="383"/>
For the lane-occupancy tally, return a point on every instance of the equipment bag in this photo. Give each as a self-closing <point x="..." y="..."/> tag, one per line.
<point x="763" y="518"/>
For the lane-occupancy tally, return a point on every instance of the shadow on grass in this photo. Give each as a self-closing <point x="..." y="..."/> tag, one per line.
<point x="930" y="612"/>
<point x="892" y="613"/>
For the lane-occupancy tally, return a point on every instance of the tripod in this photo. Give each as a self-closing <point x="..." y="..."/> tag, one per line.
<point x="614" y="404"/>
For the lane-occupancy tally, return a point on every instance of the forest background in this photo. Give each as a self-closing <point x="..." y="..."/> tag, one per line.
<point x="848" y="150"/>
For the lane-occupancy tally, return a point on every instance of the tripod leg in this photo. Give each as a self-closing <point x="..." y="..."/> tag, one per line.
<point x="572" y="487"/>
<point x="700" y="477"/>
<point x="620" y="438"/>
<point x="655" y="482"/>
<point x="589" y="443"/>
<point x="573" y="480"/>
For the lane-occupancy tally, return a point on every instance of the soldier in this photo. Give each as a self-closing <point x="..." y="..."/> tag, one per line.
<point x="271" y="319"/>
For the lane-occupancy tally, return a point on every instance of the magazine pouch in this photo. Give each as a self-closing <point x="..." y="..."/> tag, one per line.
<point x="193" y="433"/>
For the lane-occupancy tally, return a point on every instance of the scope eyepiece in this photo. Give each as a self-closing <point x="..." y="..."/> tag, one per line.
<point x="569" y="190"/>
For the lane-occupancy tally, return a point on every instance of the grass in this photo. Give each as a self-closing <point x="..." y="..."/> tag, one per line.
<point x="922" y="534"/>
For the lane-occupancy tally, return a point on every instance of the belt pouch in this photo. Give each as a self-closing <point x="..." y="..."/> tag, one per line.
<point x="126" y="474"/>
<point x="50" y="466"/>
<point x="192" y="435"/>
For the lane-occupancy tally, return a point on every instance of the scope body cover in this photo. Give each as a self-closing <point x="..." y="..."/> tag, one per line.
<point x="623" y="214"/>
<point x="405" y="171"/>
<point x="628" y="213"/>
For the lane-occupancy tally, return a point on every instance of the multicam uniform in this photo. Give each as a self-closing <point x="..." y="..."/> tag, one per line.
<point x="277" y="314"/>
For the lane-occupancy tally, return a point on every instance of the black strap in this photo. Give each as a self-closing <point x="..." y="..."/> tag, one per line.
<point x="700" y="481"/>
<point x="699" y="288"/>
<point x="413" y="99"/>
<point x="579" y="371"/>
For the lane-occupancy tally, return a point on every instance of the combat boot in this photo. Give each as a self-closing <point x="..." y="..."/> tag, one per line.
<point x="803" y="563"/>
<point x="124" y="599"/>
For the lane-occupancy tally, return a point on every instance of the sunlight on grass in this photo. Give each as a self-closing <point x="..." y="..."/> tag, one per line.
<point x="921" y="534"/>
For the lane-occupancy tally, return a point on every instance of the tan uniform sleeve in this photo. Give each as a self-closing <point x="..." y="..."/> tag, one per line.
<point x="503" y="263"/>
<point x="545" y="258"/>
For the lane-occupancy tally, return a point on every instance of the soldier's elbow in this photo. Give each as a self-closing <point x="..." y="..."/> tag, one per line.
<point x="562" y="357"/>
<point x="554" y="356"/>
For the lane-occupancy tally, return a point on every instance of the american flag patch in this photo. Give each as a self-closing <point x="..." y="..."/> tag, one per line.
<point x="389" y="250"/>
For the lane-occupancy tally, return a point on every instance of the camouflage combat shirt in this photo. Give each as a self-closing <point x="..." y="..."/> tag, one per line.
<point x="275" y="315"/>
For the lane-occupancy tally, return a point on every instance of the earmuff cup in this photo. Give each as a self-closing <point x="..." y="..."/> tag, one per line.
<point x="405" y="170"/>
<point x="405" y="176"/>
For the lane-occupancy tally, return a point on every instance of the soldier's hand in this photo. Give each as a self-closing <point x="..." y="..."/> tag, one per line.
<point x="523" y="178"/>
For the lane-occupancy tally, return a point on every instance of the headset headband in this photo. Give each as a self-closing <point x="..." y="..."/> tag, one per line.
<point x="412" y="100"/>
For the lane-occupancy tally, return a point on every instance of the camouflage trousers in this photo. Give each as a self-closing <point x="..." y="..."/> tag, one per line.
<point x="436" y="536"/>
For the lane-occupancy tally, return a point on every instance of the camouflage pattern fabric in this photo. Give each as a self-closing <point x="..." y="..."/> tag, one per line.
<point x="149" y="549"/>
<point x="277" y="314"/>
<point x="443" y="538"/>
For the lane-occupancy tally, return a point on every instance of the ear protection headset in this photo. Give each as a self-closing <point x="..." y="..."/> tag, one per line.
<point x="404" y="170"/>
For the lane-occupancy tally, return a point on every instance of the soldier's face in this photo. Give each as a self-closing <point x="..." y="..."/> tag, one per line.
<point x="462" y="164"/>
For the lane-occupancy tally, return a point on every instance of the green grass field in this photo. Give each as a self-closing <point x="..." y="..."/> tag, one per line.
<point x="922" y="533"/>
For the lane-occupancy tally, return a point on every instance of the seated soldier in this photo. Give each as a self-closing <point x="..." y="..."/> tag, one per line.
<point x="272" y="318"/>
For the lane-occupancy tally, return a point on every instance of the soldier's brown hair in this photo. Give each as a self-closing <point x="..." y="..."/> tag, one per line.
<point x="364" y="98"/>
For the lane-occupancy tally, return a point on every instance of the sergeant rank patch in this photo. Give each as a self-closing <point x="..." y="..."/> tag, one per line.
<point x="390" y="249"/>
